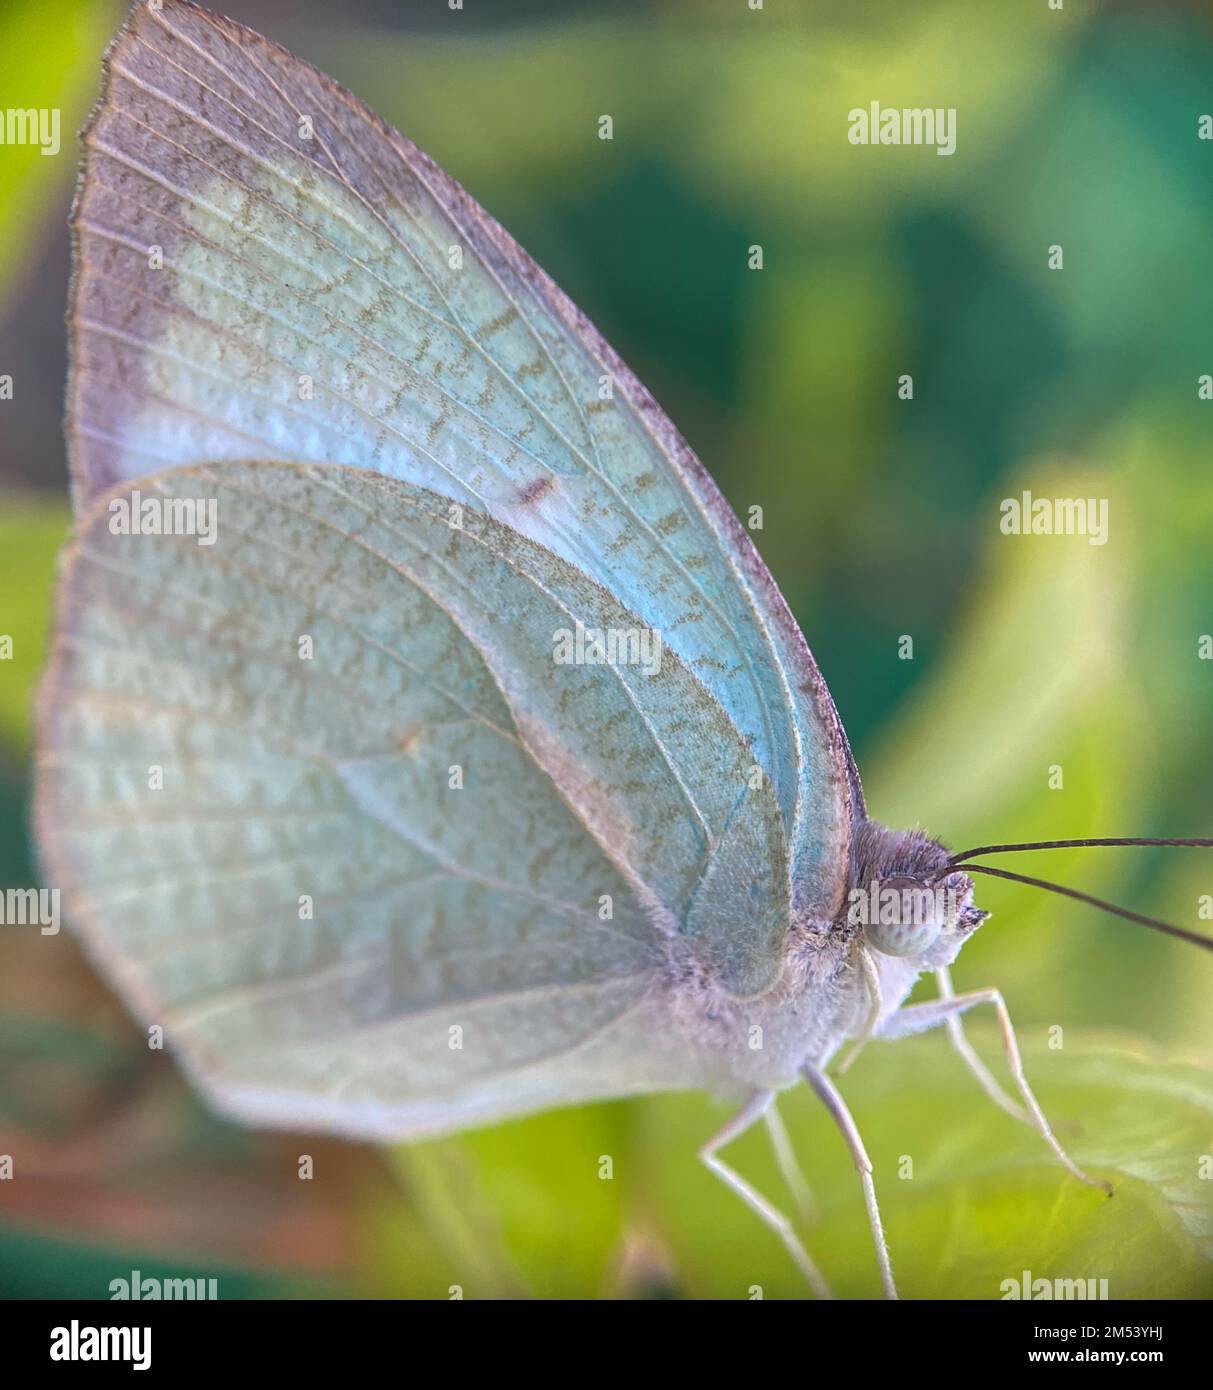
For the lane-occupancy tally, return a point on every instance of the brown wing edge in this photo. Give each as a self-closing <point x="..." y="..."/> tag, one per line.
<point x="503" y="254"/>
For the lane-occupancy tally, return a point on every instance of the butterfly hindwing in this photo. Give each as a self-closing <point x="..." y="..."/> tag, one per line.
<point x="322" y="793"/>
<point x="265" y="271"/>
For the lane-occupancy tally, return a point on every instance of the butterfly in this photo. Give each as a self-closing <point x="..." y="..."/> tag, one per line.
<point x="424" y="741"/>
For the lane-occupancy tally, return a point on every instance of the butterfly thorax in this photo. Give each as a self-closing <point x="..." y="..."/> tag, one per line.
<point x="902" y="913"/>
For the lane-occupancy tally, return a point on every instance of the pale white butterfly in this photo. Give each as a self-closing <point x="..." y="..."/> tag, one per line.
<point x="425" y="743"/>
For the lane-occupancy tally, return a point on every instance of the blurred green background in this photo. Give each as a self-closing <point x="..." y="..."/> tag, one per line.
<point x="1076" y="127"/>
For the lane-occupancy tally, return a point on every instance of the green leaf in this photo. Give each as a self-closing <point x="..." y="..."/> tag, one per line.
<point x="32" y="529"/>
<point x="970" y="1198"/>
<point x="66" y="40"/>
<point x="531" y="1208"/>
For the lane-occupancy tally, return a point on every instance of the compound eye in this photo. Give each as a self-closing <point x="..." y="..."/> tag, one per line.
<point x="905" y="917"/>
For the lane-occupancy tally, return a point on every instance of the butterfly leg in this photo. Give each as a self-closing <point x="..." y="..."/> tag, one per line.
<point x="916" y="1018"/>
<point x="828" y="1094"/>
<point x="749" y="1114"/>
<point x="785" y="1156"/>
<point x="961" y="1044"/>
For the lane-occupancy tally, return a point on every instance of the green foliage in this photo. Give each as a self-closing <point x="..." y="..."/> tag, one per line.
<point x="969" y="1197"/>
<point x="31" y="531"/>
<point x="881" y="519"/>
<point x="66" y="42"/>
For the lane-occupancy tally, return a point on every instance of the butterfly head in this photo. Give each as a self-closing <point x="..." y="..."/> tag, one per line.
<point x="903" y="899"/>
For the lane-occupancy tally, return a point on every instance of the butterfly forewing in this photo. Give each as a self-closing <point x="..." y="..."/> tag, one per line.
<point x="265" y="271"/>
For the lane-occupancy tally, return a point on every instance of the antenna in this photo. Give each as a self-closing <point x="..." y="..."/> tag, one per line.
<point x="958" y="862"/>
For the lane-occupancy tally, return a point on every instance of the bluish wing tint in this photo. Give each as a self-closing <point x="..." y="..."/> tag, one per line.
<point x="321" y="795"/>
<point x="265" y="271"/>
